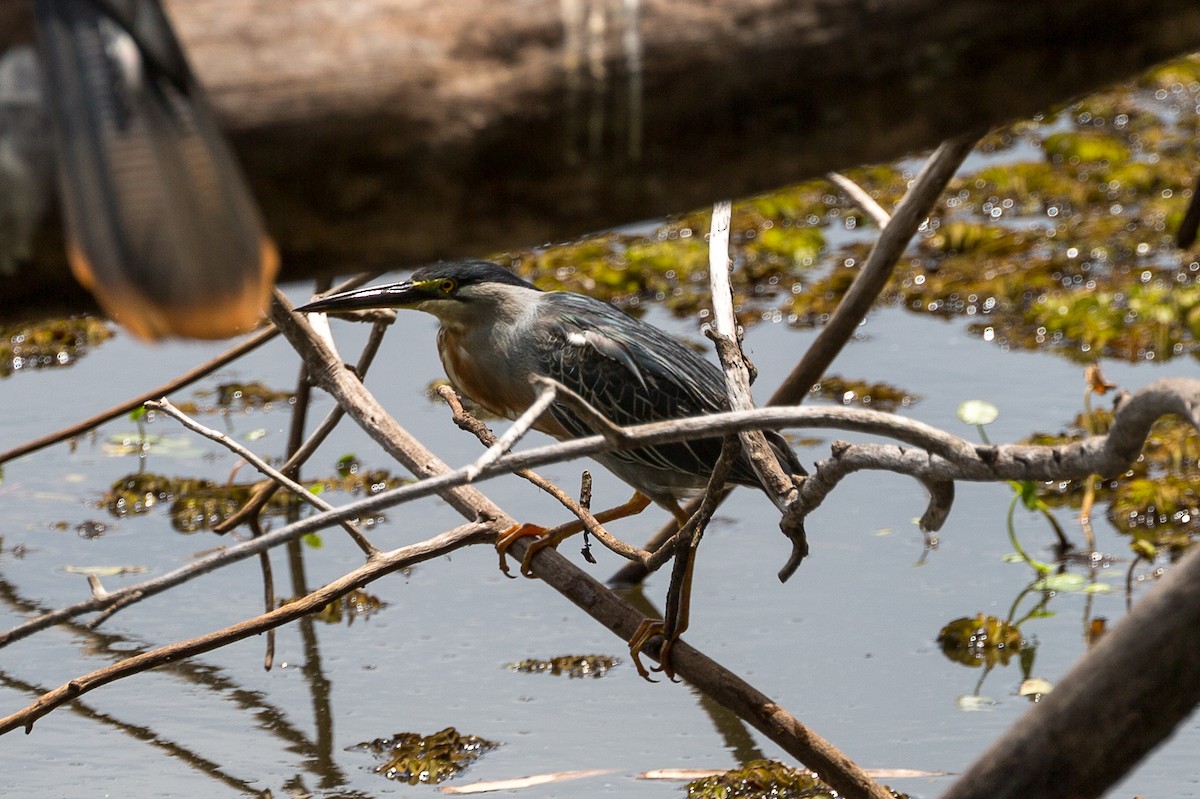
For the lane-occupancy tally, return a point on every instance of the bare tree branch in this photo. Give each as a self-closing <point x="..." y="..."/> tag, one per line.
<point x="279" y="477"/>
<point x="266" y="490"/>
<point x="893" y="240"/>
<point x="916" y="205"/>
<point x="780" y="487"/>
<point x="941" y="458"/>
<point x="376" y="567"/>
<point x="860" y="198"/>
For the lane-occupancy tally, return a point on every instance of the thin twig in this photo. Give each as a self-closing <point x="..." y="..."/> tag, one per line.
<point x="520" y="426"/>
<point x="861" y="198"/>
<point x="581" y="510"/>
<point x="377" y="566"/>
<point x="246" y="454"/>
<point x="593" y="418"/>
<point x="264" y="491"/>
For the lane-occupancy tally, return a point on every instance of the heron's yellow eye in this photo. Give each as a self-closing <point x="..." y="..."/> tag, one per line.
<point x="448" y="285"/>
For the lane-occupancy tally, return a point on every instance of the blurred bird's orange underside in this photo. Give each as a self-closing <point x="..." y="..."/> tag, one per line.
<point x="230" y="311"/>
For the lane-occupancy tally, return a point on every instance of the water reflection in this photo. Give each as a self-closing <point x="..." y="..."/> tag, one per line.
<point x="267" y="717"/>
<point x="735" y="735"/>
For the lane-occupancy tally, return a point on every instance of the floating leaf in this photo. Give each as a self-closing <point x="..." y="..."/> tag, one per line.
<point x="1069" y="582"/>
<point x="347" y="465"/>
<point x="91" y="529"/>
<point x="1035" y="687"/>
<point x="974" y="703"/>
<point x="876" y="396"/>
<point x="56" y="343"/>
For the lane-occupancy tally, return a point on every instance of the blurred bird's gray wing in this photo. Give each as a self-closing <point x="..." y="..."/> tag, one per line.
<point x="160" y="222"/>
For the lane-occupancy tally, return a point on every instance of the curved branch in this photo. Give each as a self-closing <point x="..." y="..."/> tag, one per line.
<point x="942" y="458"/>
<point x="265" y="468"/>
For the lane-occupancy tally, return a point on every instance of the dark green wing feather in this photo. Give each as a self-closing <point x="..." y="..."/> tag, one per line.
<point x="634" y="373"/>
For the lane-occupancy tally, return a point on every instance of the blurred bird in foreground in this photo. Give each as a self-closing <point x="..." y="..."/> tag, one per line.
<point x="160" y="223"/>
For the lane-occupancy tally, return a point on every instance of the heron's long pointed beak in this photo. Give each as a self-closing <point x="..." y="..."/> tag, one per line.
<point x="393" y="295"/>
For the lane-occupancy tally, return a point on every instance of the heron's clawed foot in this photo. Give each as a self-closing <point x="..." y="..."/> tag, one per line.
<point x="648" y="629"/>
<point x="545" y="538"/>
<point x="509" y="536"/>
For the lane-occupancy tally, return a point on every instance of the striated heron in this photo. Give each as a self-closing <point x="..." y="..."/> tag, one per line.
<point x="498" y="331"/>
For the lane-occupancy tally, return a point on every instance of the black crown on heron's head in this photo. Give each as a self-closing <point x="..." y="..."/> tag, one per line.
<point x="467" y="273"/>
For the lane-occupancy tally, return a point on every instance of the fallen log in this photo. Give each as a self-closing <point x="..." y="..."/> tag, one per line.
<point x="388" y="133"/>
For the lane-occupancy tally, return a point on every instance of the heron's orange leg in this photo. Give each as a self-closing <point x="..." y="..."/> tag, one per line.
<point x="636" y="504"/>
<point x="678" y="611"/>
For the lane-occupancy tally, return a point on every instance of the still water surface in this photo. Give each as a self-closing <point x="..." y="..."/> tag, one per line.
<point x="847" y="645"/>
